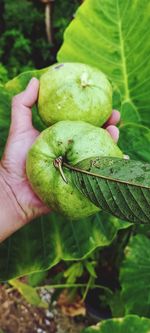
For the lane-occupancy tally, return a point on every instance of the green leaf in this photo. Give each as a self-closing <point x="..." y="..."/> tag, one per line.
<point x="128" y="324"/>
<point x="90" y="266"/>
<point x="10" y="89"/>
<point x="20" y="82"/>
<point x="116" y="99"/>
<point x="114" y="36"/>
<point x="116" y="304"/>
<point x="46" y="241"/>
<point x="5" y="108"/>
<point x="129" y="113"/>
<point x="13" y="87"/>
<point x="135" y="141"/>
<point x="73" y="272"/>
<point x="29" y="293"/>
<point x="36" y="279"/>
<point x="135" y="276"/>
<point x="118" y="186"/>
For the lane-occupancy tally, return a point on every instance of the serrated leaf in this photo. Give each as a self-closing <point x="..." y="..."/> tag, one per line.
<point x="128" y="324"/>
<point x="114" y="37"/>
<point x="118" y="186"/>
<point x="135" y="276"/>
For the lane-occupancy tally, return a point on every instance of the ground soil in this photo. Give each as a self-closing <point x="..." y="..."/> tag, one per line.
<point x="17" y="316"/>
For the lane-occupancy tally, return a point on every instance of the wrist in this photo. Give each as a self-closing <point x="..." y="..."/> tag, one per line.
<point x="11" y="215"/>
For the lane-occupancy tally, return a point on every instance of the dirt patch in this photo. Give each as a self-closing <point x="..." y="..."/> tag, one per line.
<point x="17" y="316"/>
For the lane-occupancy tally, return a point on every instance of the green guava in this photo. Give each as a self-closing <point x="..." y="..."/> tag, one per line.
<point x="74" y="91"/>
<point x="74" y="141"/>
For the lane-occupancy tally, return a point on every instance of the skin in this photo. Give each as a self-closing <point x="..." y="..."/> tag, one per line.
<point x="18" y="203"/>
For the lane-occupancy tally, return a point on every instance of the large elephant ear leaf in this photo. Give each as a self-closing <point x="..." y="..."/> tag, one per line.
<point x="42" y="244"/>
<point x="114" y="36"/>
<point x="128" y="324"/>
<point x="46" y="241"/>
<point x="135" y="276"/>
<point x="134" y="140"/>
<point x="19" y="83"/>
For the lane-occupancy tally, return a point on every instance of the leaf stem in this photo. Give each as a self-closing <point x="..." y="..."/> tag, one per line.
<point x="58" y="165"/>
<point x="75" y="285"/>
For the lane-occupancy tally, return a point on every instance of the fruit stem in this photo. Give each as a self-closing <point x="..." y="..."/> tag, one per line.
<point x="58" y="165"/>
<point x="85" y="80"/>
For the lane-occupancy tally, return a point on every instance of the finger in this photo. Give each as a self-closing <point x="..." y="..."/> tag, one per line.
<point x="114" y="119"/>
<point x="114" y="132"/>
<point x="43" y="211"/>
<point x="21" y="116"/>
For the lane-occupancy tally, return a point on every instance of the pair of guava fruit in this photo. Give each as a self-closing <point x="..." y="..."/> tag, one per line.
<point x="75" y="99"/>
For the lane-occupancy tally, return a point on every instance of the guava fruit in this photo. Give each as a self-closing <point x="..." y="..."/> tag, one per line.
<point x="74" y="91"/>
<point x="74" y="141"/>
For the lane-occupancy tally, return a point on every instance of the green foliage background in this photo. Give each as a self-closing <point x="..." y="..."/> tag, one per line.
<point x="23" y="40"/>
<point x="111" y="254"/>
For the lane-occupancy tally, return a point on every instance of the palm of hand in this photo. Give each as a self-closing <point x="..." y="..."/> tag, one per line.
<point x="14" y="162"/>
<point x="21" y="137"/>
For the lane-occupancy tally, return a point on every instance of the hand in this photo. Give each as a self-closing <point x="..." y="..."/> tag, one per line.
<point x="21" y="205"/>
<point x="18" y="203"/>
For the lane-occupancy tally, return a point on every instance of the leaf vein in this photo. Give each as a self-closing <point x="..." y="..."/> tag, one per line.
<point x="141" y="208"/>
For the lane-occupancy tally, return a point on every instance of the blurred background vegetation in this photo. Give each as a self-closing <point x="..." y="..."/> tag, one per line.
<point x="31" y="32"/>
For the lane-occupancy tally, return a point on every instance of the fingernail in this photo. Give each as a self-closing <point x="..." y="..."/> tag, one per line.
<point x="115" y="110"/>
<point x="117" y="113"/>
<point x="34" y="79"/>
<point x="114" y="132"/>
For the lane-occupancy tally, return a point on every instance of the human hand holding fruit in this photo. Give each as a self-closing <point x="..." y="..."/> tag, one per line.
<point x="75" y="99"/>
<point x="18" y="202"/>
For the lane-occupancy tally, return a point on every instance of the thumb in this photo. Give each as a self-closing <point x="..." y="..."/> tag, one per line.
<point x="21" y="115"/>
